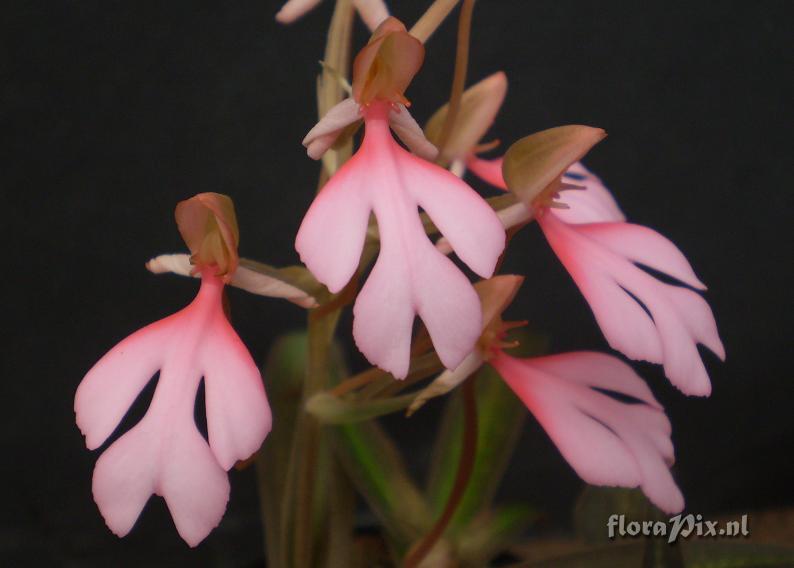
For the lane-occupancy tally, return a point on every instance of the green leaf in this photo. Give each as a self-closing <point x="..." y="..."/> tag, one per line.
<point x="284" y="372"/>
<point x="500" y="417"/>
<point x="492" y="532"/>
<point x="697" y="554"/>
<point x="703" y="554"/>
<point x="376" y="468"/>
<point x="607" y="556"/>
<point x="331" y="409"/>
<point x="537" y="161"/>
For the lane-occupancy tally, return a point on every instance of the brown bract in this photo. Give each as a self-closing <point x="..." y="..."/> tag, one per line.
<point x="496" y="294"/>
<point x="534" y="165"/>
<point x="387" y="65"/>
<point x="208" y="225"/>
<point x="478" y="108"/>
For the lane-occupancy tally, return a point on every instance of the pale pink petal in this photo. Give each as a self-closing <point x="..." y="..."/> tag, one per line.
<point x="490" y="171"/>
<point x="263" y="285"/>
<point x="194" y="486"/>
<point x="593" y="369"/>
<point x="462" y="216"/>
<point x="606" y="441"/>
<point x="244" y="278"/>
<point x="180" y="467"/>
<point x="294" y="9"/>
<point x="511" y="216"/>
<point x="323" y="135"/>
<point x="373" y="12"/>
<point x="178" y="263"/>
<point x="645" y="246"/>
<point x="114" y="382"/>
<point x="623" y="321"/>
<point x="410" y="276"/>
<point x="125" y="476"/>
<point x="679" y="318"/>
<point x="331" y="236"/>
<point x="594" y="204"/>
<point x="238" y="413"/>
<point x="383" y="315"/>
<point x="422" y="282"/>
<point x="448" y="305"/>
<point x="407" y="130"/>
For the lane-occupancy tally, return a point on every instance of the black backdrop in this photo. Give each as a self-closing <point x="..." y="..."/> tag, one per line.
<point x="113" y="111"/>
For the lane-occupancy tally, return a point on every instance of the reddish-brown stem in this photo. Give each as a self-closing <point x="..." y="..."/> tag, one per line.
<point x="465" y="468"/>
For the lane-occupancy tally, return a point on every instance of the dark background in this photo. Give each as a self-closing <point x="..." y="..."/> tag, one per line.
<point x="113" y="111"/>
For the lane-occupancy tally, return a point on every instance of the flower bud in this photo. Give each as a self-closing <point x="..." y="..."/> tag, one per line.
<point x="478" y="107"/>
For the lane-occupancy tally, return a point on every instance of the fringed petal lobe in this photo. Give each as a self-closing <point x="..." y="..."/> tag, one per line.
<point x="603" y="269"/>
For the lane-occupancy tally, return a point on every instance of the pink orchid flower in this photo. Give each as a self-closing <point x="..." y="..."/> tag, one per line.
<point x="410" y="276"/>
<point x="165" y="454"/>
<point x="607" y="441"/>
<point x="373" y="12"/>
<point x="602" y="253"/>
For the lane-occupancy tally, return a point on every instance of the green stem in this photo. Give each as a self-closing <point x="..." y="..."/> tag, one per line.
<point x="317" y="377"/>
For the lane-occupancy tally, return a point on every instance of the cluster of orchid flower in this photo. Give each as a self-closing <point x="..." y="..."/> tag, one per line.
<point x="608" y="440"/>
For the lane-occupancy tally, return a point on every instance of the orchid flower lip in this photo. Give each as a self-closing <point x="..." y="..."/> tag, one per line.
<point x="640" y="315"/>
<point x="164" y="453"/>
<point x="410" y="277"/>
<point x="606" y="440"/>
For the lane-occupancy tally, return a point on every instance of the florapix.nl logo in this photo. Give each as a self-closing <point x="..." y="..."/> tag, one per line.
<point x="680" y="526"/>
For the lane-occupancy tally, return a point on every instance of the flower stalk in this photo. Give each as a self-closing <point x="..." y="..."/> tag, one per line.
<point x="459" y="78"/>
